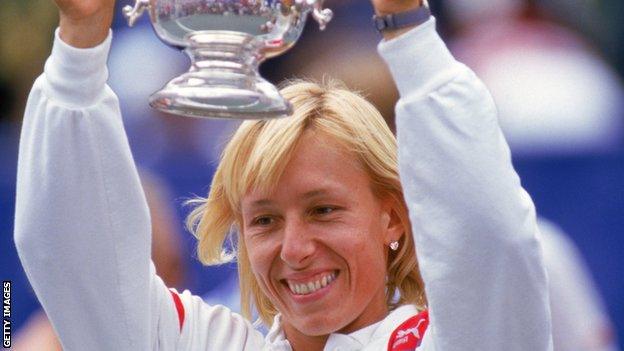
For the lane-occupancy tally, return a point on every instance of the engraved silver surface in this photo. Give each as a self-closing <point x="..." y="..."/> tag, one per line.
<point x="226" y="41"/>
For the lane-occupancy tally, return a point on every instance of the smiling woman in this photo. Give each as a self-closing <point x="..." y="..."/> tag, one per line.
<point x="314" y="198"/>
<point x="325" y="210"/>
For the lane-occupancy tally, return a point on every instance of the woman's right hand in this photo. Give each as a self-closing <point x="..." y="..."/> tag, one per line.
<point x="85" y="23"/>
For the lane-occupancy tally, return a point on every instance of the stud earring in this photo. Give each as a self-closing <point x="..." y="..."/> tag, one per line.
<point x="394" y="245"/>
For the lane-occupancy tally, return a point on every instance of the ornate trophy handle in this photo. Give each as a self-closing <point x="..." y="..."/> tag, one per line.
<point x="132" y="14"/>
<point x="321" y="15"/>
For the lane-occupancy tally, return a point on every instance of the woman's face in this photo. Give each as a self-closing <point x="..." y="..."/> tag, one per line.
<point x="318" y="244"/>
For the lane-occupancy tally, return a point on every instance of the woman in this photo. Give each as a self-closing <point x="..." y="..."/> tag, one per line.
<point x="324" y="244"/>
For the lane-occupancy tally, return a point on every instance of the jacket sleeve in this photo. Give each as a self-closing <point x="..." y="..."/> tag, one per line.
<point x="473" y="223"/>
<point x="82" y="225"/>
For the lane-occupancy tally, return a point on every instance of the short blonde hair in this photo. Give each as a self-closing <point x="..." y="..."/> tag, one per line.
<point x="255" y="158"/>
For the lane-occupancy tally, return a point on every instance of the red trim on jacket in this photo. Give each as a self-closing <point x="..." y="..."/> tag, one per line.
<point x="409" y="335"/>
<point x="179" y="308"/>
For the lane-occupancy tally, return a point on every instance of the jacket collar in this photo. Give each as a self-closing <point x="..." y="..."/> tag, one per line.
<point x="276" y="338"/>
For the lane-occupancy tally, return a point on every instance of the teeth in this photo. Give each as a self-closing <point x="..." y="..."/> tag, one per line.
<point x="310" y="287"/>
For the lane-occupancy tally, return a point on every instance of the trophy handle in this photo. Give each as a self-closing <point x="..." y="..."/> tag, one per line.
<point x="321" y="15"/>
<point x="132" y="14"/>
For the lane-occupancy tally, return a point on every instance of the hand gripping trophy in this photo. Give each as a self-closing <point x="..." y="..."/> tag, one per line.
<point x="226" y="41"/>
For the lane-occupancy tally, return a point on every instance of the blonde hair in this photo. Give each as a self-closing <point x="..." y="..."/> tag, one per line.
<point x="255" y="158"/>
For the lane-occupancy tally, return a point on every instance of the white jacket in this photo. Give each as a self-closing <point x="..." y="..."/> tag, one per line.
<point x="82" y="226"/>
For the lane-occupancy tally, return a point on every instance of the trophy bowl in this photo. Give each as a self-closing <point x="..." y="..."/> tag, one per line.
<point x="226" y="41"/>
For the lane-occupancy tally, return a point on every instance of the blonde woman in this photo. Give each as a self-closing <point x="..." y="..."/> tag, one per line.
<point x="325" y="234"/>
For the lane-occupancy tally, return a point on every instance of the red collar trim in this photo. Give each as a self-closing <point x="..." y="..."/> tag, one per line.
<point x="408" y="336"/>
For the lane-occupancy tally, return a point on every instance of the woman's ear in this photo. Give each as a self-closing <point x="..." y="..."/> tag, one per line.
<point x="392" y="224"/>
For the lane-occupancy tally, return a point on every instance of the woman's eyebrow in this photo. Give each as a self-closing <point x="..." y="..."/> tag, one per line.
<point x="313" y="193"/>
<point x="305" y="196"/>
<point x="316" y="193"/>
<point x="261" y="203"/>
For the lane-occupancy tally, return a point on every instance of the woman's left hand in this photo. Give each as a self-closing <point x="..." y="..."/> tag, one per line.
<point x="384" y="7"/>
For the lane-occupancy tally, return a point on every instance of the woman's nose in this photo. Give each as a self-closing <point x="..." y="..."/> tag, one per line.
<point x="297" y="244"/>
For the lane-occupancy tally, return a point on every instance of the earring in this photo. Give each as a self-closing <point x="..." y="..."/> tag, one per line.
<point x="394" y="245"/>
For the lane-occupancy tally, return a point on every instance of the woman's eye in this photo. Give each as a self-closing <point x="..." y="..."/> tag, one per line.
<point x="263" y="221"/>
<point x="323" y="210"/>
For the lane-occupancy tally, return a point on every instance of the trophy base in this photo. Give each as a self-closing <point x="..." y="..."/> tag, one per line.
<point x="227" y="101"/>
<point x="223" y="81"/>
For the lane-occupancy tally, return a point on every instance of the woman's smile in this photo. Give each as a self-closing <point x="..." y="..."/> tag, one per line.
<point x="306" y="290"/>
<point x="305" y="286"/>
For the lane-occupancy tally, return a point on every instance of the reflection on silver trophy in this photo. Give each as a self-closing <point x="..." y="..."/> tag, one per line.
<point x="226" y="41"/>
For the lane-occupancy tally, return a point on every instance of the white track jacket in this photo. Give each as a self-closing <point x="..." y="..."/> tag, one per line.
<point x="82" y="227"/>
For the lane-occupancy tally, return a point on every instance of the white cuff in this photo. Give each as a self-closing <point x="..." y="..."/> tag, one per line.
<point x="417" y="58"/>
<point x="76" y="77"/>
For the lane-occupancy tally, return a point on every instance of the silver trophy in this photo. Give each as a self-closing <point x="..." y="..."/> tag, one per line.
<point x="226" y="41"/>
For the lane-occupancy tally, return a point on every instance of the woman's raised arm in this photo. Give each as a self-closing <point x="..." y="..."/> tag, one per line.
<point x="82" y="226"/>
<point x="474" y="225"/>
